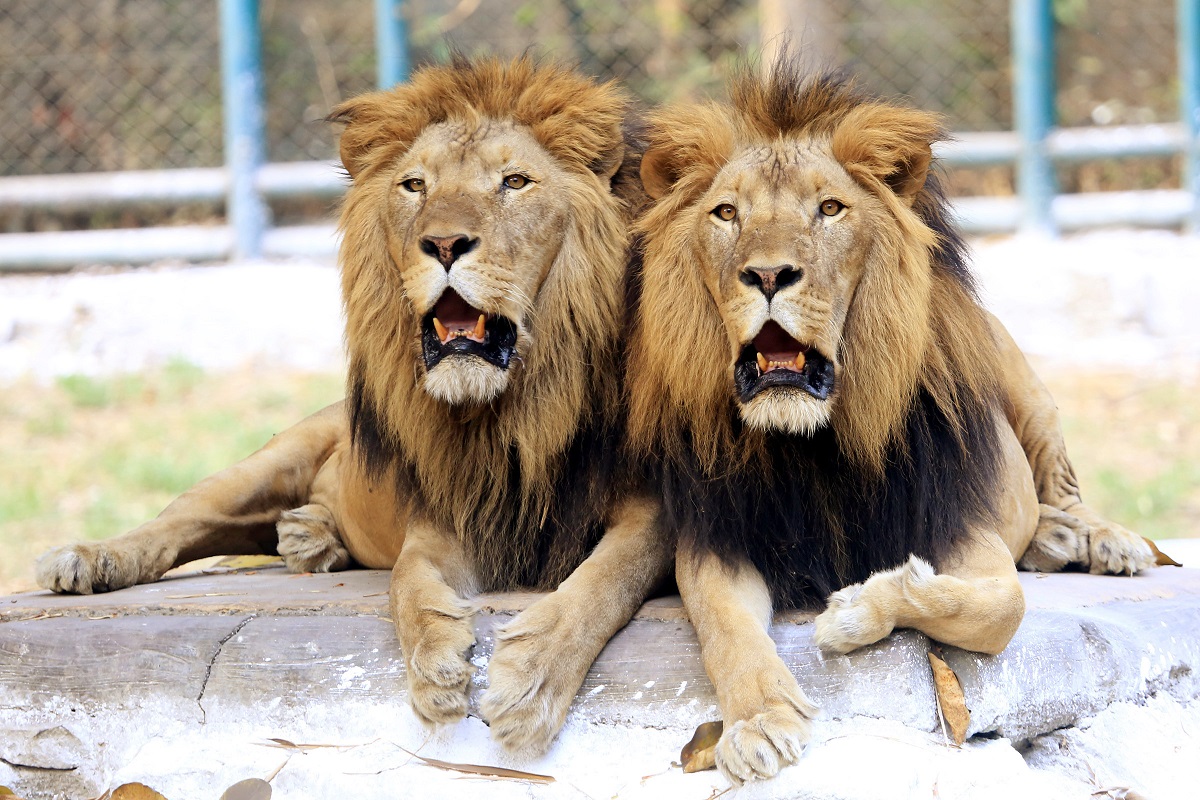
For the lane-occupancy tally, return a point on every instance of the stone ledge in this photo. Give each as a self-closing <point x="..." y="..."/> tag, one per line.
<point x="181" y="684"/>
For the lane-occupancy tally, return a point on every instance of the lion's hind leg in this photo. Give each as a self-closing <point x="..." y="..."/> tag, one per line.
<point x="233" y="512"/>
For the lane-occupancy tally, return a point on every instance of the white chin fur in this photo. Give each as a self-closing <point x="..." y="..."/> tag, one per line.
<point x="461" y="380"/>
<point x="786" y="412"/>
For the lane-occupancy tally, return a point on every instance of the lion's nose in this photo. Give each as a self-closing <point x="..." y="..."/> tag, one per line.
<point x="448" y="249"/>
<point x="770" y="280"/>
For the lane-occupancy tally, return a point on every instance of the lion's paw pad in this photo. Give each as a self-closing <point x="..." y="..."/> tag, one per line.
<point x="759" y="747"/>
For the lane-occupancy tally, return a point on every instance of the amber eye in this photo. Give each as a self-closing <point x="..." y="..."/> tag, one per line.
<point x="516" y="181"/>
<point x="413" y="185"/>
<point x="725" y="211"/>
<point x="831" y="208"/>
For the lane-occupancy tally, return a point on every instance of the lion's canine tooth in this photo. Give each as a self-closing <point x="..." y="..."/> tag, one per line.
<point x="799" y="362"/>
<point x="440" y="330"/>
<point x="762" y="363"/>
<point x="479" y="327"/>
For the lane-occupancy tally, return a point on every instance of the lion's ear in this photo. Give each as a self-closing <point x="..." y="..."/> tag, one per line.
<point x="371" y="120"/>
<point x="608" y="165"/>
<point x="889" y="144"/>
<point x="659" y="170"/>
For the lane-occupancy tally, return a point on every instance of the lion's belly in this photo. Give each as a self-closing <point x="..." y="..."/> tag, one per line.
<point x="371" y="521"/>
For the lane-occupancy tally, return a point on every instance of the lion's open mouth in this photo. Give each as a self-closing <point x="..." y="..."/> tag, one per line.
<point x="773" y="359"/>
<point x="456" y="328"/>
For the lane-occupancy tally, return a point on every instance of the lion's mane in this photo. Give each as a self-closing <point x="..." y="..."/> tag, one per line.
<point x="524" y="480"/>
<point x="911" y="457"/>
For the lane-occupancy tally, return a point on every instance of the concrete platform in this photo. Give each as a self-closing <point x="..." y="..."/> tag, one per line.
<point x="194" y="683"/>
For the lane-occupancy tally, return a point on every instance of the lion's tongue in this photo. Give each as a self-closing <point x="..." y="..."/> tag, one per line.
<point x="777" y="350"/>
<point x="453" y="317"/>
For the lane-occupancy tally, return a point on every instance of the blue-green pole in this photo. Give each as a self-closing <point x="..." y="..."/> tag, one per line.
<point x="1189" y="101"/>
<point x="391" y="43"/>
<point x="1033" y="107"/>
<point x="242" y="101"/>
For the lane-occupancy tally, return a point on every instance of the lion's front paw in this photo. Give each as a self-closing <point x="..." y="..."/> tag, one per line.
<point x="1115" y="550"/>
<point x="848" y="622"/>
<point x="533" y="676"/>
<point x="309" y="540"/>
<point x="89" y="568"/>
<point x="439" y="673"/>
<point x="759" y="747"/>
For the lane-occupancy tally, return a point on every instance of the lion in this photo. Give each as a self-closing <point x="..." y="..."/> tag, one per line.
<point x="484" y="266"/>
<point x="832" y="414"/>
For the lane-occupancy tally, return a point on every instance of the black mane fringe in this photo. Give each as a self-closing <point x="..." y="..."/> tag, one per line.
<point x="511" y="547"/>
<point x="811" y="522"/>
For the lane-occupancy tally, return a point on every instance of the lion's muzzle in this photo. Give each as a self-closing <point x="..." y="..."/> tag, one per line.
<point x="456" y="328"/>
<point x="773" y="359"/>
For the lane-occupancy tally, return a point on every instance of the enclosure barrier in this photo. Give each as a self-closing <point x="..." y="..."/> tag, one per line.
<point x="246" y="183"/>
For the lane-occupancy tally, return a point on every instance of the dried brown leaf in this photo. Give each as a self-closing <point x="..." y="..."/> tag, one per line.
<point x="7" y="792"/>
<point x="1161" y="558"/>
<point x="249" y="789"/>
<point x="952" y="704"/>
<point x="481" y="770"/>
<point x="701" y="752"/>
<point x="243" y="562"/>
<point x="135" y="791"/>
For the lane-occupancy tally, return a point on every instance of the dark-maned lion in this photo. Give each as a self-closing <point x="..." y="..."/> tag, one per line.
<point x="483" y="277"/>
<point x="835" y="414"/>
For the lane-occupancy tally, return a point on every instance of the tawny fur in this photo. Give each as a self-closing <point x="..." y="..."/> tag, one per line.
<point x="931" y="441"/>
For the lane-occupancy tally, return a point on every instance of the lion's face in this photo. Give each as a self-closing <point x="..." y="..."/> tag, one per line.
<point x="476" y="221"/>
<point x="782" y="236"/>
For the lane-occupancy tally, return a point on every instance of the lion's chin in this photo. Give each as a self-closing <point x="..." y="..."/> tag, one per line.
<point x="785" y="410"/>
<point x="465" y="380"/>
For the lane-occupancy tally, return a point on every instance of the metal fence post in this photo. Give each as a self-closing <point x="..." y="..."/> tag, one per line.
<point x="391" y="43"/>
<point x="242" y="102"/>
<point x="1033" y="105"/>
<point x="1189" y="102"/>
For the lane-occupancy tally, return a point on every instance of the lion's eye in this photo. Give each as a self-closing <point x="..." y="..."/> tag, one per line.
<point x="831" y="208"/>
<point x="725" y="212"/>
<point x="413" y="185"/>
<point x="516" y="181"/>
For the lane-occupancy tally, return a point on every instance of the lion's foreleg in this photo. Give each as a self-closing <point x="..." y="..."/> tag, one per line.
<point x="767" y="717"/>
<point x="1077" y="535"/>
<point x="232" y="512"/>
<point x="433" y="620"/>
<point x="973" y="601"/>
<point x="543" y="655"/>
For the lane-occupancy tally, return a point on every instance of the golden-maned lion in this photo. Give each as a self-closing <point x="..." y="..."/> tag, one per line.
<point x="835" y="414"/>
<point x="483" y="277"/>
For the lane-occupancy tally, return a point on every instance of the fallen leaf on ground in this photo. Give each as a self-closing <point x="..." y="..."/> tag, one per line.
<point x="952" y="705"/>
<point x="482" y="771"/>
<point x="7" y="792"/>
<point x="243" y="562"/>
<point x="701" y="752"/>
<point x="249" y="789"/>
<point x="134" y="791"/>
<point x="1161" y="558"/>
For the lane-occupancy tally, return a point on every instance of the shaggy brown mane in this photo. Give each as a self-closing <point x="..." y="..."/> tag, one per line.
<point x="513" y="475"/>
<point x="910" y="459"/>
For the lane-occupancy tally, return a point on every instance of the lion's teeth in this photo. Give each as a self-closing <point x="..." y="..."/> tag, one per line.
<point x="762" y="363"/>
<point x="479" y="327"/>
<point x="440" y="329"/>
<point x="798" y="364"/>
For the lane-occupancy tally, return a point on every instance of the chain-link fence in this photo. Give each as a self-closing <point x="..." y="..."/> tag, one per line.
<point x="134" y="84"/>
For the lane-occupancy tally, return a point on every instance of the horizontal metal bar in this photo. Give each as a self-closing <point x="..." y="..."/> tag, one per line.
<point x="1066" y="144"/>
<point x="68" y="249"/>
<point x="100" y="189"/>
<point x="1159" y="208"/>
<point x="96" y="189"/>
